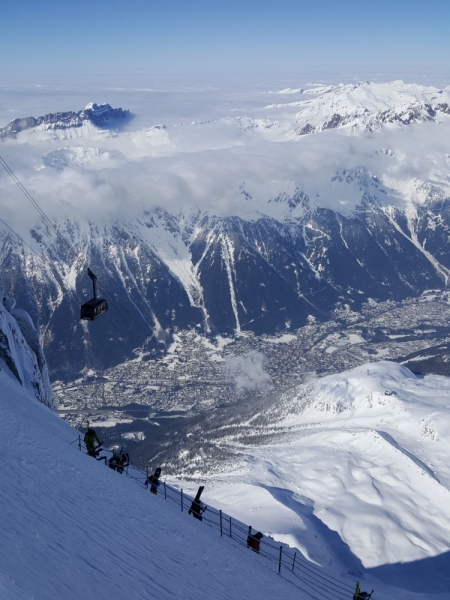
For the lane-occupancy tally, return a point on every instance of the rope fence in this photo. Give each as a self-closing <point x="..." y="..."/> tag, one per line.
<point x="306" y="574"/>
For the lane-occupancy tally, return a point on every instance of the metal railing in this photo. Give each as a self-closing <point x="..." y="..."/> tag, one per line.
<point x="306" y="574"/>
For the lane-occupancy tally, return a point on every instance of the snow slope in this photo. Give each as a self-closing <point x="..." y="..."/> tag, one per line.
<point x="357" y="476"/>
<point x="72" y="528"/>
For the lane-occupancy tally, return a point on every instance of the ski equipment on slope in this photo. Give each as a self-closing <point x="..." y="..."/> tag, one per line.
<point x="254" y="541"/>
<point x="154" y="481"/>
<point x="93" y="308"/>
<point x="114" y="461"/>
<point x="197" y="507"/>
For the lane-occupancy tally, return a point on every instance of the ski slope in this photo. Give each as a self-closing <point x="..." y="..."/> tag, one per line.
<point x="72" y="528"/>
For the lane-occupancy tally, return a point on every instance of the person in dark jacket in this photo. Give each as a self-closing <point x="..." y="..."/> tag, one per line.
<point x="90" y="438"/>
<point x="254" y="541"/>
<point x="124" y="462"/>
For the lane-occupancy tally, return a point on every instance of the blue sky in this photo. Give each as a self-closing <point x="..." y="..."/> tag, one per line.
<point x="198" y="35"/>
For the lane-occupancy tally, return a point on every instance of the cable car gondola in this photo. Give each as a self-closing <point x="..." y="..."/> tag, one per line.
<point x="95" y="307"/>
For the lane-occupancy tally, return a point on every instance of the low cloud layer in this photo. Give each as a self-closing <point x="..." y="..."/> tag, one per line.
<point x="223" y="165"/>
<point x="247" y="372"/>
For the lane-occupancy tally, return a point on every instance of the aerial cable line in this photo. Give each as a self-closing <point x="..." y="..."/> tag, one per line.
<point x="34" y="203"/>
<point x="23" y="241"/>
<point x="48" y="261"/>
<point x="43" y="260"/>
<point x="61" y="237"/>
<point x="70" y="247"/>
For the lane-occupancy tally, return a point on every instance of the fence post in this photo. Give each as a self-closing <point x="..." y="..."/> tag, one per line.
<point x="293" y="562"/>
<point x="181" y="500"/>
<point x="279" y="562"/>
<point x="230" y="528"/>
<point x="220" y="514"/>
<point x="165" y="493"/>
<point x="79" y="442"/>
<point x="249" y="533"/>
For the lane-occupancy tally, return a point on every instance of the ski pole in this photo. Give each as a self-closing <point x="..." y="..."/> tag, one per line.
<point x="220" y="514"/>
<point x="279" y="562"/>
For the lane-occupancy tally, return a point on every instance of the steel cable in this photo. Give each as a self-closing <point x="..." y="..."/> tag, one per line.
<point x="75" y="254"/>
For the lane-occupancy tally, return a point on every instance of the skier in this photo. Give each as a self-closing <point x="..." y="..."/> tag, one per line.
<point x="154" y="482"/>
<point x="90" y="438"/>
<point x="254" y="541"/>
<point x="197" y="507"/>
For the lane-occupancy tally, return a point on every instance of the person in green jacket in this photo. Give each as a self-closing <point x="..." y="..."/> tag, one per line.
<point x="90" y="438"/>
<point x="359" y="595"/>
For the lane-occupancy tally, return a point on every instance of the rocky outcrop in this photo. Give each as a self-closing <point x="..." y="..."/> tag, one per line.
<point x="100" y="115"/>
<point x="21" y="353"/>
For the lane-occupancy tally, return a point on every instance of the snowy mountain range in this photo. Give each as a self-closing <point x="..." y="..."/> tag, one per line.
<point x="233" y="224"/>
<point x="366" y="106"/>
<point x="228" y="225"/>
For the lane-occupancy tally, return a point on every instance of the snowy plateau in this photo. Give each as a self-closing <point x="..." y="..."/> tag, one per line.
<point x="276" y="272"/>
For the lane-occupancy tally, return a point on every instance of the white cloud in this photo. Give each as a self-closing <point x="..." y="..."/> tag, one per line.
<point x="247" y="371"/>
<point x="106" y="177"/>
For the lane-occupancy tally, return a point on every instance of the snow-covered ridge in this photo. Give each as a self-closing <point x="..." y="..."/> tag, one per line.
<point x="99" y="115"/>
<point x="21" y="355"/>
<point x="367" y="106"/>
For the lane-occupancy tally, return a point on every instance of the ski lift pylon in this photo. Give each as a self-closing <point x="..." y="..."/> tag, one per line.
<point x="95" y="307"/>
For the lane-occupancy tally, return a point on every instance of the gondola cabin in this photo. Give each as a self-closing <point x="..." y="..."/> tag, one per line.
<point x="95" y="307"/>
<point x="92" y="309"/>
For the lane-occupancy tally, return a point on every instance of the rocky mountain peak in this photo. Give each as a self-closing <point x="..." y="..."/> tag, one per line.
<point x="99" y="115"/>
